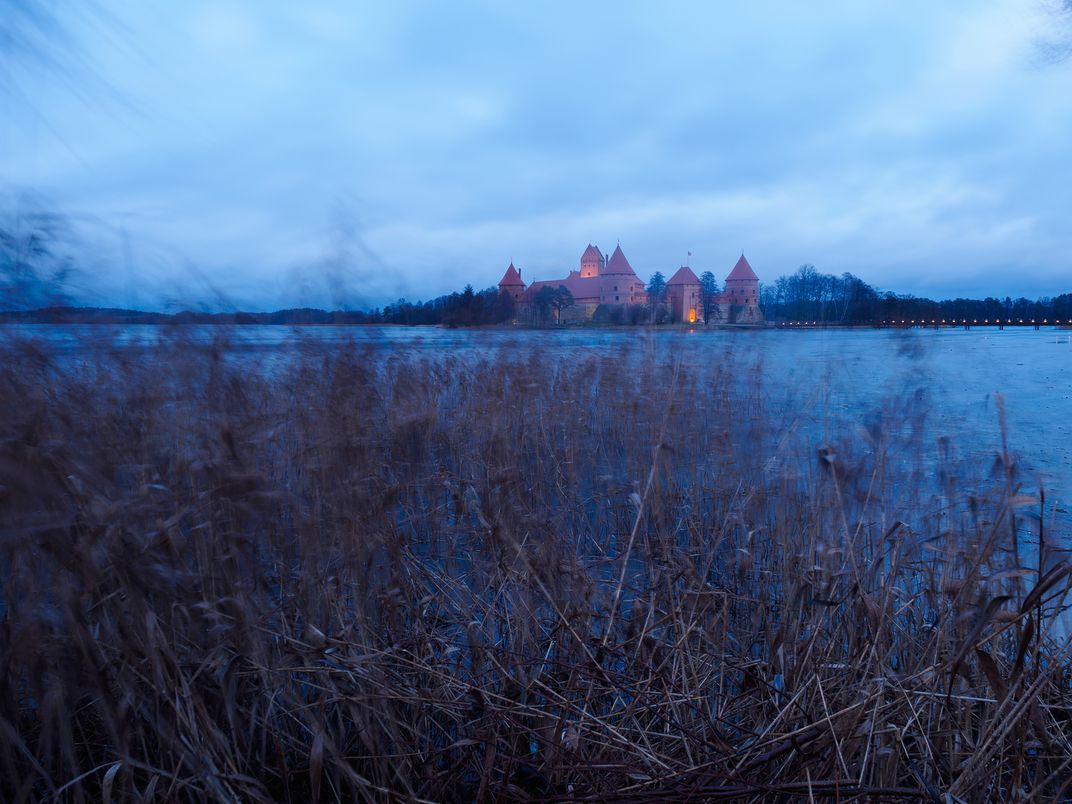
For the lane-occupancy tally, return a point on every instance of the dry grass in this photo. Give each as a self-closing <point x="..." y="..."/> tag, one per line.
<point x="364" y="575"/>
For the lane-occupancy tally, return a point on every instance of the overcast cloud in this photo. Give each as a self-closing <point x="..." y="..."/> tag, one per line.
<point x="273" y="154"/>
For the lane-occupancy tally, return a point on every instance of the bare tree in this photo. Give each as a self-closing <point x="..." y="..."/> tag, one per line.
<point x="33" y="264"/>
<point x="37" y="39"/>
<point x="709" y="296"/>
<point x="550" y="300"/>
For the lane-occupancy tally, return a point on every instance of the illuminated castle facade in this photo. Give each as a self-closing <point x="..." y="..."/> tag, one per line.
<point x="611" y="282"/>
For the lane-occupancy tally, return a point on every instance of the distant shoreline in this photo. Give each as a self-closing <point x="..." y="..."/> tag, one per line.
<point x="306" y="317"/>
<point x="311" y="317"/>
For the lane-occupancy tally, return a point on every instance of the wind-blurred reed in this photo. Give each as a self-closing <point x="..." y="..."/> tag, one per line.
<point x="366" y="574"/>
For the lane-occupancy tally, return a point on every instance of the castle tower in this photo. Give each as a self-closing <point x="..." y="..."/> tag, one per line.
<point x="511" y="283"/>
<point x="685" y="293"/>
<point x="620" y="283"/>
<point x="742" y="291"/>
<point x="591" y="262"/>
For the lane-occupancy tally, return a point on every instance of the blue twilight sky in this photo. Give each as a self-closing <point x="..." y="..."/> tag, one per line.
<point x="269" y="154"/>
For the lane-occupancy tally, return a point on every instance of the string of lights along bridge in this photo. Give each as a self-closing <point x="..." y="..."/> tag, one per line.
<point x="935" y="323"/>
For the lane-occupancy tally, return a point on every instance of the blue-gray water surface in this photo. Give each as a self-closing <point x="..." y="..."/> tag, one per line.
<point x="834" y="378"/>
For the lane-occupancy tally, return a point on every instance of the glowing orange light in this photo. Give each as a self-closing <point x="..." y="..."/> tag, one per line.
<point x="692" y="315"/>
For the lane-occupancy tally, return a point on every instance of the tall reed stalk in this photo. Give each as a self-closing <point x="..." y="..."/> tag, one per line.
<point x="349" y="573"/>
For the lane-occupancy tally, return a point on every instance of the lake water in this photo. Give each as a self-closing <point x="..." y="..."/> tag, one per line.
<point x="833" y="378"/>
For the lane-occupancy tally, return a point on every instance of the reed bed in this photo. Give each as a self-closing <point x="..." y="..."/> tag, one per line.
<point x="338" y="573"/>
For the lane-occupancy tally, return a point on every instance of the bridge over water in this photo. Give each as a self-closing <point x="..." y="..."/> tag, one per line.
<point x="937" y="323"/>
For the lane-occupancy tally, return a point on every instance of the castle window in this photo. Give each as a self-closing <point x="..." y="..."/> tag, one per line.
<point x="615" y="287"/>
<point x="616" y="298"/>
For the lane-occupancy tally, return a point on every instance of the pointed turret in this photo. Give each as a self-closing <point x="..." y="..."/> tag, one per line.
<point x="512" y="284"/>
<point x="511" y="278"/>
<point x="620" y="283"/>
<point x="684" y="292"/>
<point x="618" y="264"/>
<point x="742" y="293"/>
<point x="742" y="271"/>
<point x="591" y="262"/>
<point x="684" y="276"/>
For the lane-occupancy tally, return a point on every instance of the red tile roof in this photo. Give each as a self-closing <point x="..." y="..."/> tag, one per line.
<point x="591" y="253"/>
<point x="742" y="270"/>
<point x="684" y="276"/>
<point x="618" y="264"/>
<point x="511" y="279"/>
<point x="582" y="288"/>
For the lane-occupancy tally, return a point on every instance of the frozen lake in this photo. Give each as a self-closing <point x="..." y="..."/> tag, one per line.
<point x="956" y="376"/>
<point x="831" y="379"/>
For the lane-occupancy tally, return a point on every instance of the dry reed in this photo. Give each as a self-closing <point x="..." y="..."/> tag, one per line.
<point x="350" y="573"/>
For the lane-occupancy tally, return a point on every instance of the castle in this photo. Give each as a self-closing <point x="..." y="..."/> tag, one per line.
<point x="611" y="284"/>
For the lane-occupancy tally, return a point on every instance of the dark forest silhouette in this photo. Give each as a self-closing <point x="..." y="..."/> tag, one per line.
<point x="809" y="295"/>
<point x="37" y="258"/>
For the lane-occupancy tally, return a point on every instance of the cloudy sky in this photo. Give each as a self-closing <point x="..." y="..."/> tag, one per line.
<point x="268" y="154"/>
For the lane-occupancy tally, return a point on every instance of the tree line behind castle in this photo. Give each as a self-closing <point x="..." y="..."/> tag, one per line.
<point x="604" y="289"/>
<point x="805" y="295"/>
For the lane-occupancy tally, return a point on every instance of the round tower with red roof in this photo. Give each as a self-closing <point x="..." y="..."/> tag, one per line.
<point x="742" y="292"/>
<point x="620" y="283"/>
<point x="511" y="284"/>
